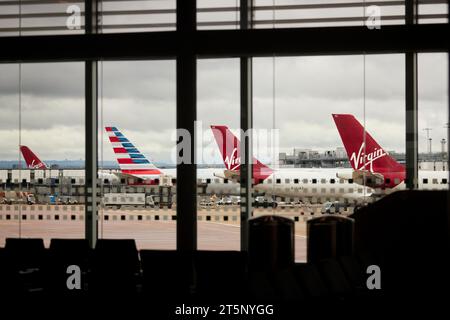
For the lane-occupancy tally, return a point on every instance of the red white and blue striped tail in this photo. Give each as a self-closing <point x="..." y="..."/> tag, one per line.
<point x="131" y="161"/>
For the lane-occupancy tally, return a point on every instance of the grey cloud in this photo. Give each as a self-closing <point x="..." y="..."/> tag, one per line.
<point x="139" y="97"/>
<point x="336" y="77"/>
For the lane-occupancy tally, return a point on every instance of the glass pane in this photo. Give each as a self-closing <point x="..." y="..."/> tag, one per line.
<point x="218" y="14"/>
<point x="9" y="153"/>
<point x="218" y="108"/>
<point x="433" y="117"/>
<point x="41" y="17"/>
<point x="136" y="140"/>
<point x="326" y="13"/>
<point x="433" y="11"/>
<point x="48" y="182"/>
<point x="52" y="145"/>
<point x="384" y="118"/>
<point x="327" y="122"/>
<point x="137" y="15"/>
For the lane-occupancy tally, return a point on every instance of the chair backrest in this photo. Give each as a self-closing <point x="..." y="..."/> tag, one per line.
<point x="310" y="280"/>
<point x="334" y="278"/>
<point x="287" y="286"/>
<point x="220" y="272"/>
<point x="353" y="270"/>
<point x="166" y="273"/>
<point x="116" y="255"/>
<point x="70" y="251"/>
<point x="25" y="253"/>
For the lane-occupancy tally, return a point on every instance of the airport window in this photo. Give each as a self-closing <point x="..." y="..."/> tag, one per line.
<point x="282" y="14"/>
<point x="42" y="126"/>
<point x="41" y="18"/>
<point x="142" y="16"/>
<point x="43" y="106"/>
<point x="135" y="128"/>
<point x="432" y="12"/>
<point x="432" y="115"/>
<point x="389" y="68"/>
<point x="218" y="109"/>
<point x="315" y="144"/>
<point x="217" y="15"/>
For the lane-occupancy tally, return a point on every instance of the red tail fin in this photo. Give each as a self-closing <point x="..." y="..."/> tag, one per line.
<point x="229" y="147"/>
<point x="370" y="156"/>
<point x="33" y="162"/>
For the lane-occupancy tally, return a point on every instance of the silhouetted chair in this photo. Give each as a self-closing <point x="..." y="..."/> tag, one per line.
<point x="310" y="281"/>
<point x="353" y="271"/>
<point x="25" y="258"/>
<point x="329" y="236"/>
<point x="25" y="253"/>
<point x="335" y="279"/>
<point x="271" y="243"/>
<point x="260" y="287"/>
<point x="10" y="284"/>
<point x="167" y="275"/>
<point x="62" y="254"/>
<point x="407" y="232"/>
<point x="286" y="286"/>
<point x="220" y="274"/>
<point x="115" y="267"/>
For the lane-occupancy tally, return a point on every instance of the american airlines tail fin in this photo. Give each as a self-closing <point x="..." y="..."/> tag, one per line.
<point x="32" y="161"/>
<point x="131" y="161"/>
<point x="229" y="147"/>
<point x="363" y="154"/>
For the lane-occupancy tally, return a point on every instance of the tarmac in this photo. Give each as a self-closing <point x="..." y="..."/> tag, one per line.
<point x="141" y="225"/>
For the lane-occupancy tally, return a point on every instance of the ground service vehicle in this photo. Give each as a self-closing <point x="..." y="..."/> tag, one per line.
<point x="128" y="199"/>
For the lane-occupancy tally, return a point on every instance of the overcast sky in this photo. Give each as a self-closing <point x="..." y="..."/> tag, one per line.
<point x="139" y="98"/>
<point x="296" y="96"/>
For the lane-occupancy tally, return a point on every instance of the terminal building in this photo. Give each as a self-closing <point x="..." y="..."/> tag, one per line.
<point x="307" y="227"/>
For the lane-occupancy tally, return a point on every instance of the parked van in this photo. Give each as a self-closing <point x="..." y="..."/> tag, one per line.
<point x="332" y="207"/>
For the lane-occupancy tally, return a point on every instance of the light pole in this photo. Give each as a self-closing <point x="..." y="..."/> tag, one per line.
<point x="428" y="139"/>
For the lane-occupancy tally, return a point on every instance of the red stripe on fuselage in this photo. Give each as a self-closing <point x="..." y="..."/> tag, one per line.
<point x="120" y="150"/>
